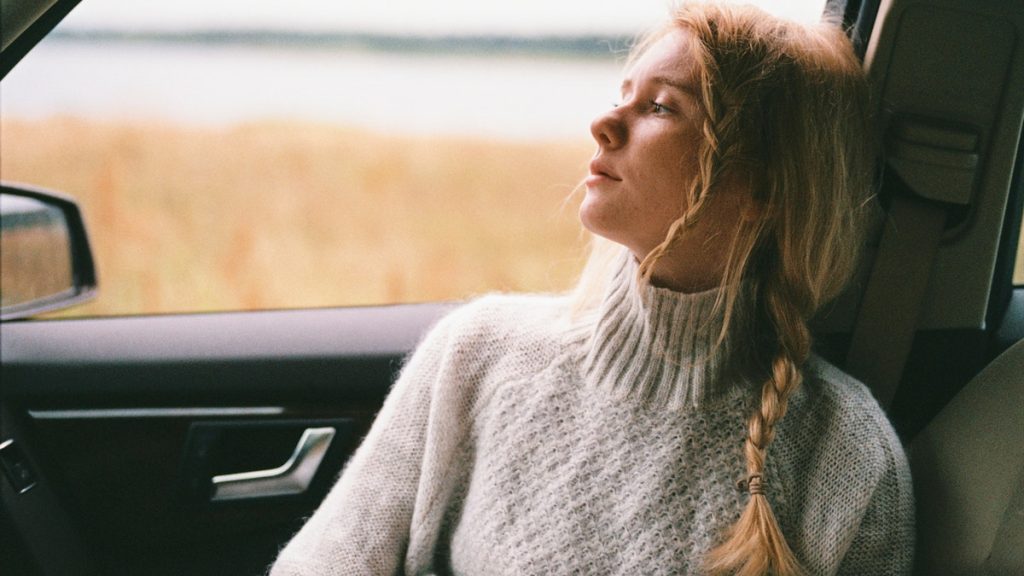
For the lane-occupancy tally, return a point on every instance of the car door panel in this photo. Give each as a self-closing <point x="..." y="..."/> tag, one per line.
<point x="37" y="535"/>
<point x="128" y="419"/>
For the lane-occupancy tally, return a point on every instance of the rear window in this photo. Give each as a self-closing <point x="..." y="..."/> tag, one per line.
<point x="1018" y="267"/>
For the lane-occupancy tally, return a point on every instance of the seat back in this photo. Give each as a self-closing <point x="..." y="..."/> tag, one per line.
<point x="968" y="468"/>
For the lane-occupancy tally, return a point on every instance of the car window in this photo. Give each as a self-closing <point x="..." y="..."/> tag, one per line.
<point x="242" y="156"/>
<point x="1018" y="267"/>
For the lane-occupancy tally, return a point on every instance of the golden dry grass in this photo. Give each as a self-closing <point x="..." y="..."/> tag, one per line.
<point x="1018" y="266"/>
<point x="34" y="263"/>
<point x="276" y="215"/>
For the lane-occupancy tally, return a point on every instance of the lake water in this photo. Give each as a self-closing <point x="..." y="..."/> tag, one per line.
<point x="517" y="97"/>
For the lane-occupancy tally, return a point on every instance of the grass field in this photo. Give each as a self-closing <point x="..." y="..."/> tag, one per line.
<point x="280" y="215"/>
<point x="1018" y="266"/>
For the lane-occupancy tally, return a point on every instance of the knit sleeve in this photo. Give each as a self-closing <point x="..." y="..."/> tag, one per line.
<point x="884" y="541"/>
<point x="363" y="525"/>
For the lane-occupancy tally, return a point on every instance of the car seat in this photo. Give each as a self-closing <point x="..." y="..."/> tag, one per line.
<point x="968" y="469"/>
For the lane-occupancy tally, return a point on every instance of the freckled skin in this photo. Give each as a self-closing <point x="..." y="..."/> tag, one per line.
<point x="646" y="158"/>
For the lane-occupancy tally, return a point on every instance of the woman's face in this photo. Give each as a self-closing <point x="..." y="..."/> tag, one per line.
<point x="646" y="159"/>
<point x="646" y="149"/>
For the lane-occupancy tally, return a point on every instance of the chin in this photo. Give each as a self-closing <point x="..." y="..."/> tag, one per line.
<point x="593" y="223"/>
<point x="601" y="219"/>
<point x="590" y="216"/>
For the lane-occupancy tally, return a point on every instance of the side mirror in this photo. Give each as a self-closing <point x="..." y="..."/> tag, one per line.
<point x="45" y="260"/>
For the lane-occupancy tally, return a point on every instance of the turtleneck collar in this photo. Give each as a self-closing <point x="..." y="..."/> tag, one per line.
<point x="659" y="346"/>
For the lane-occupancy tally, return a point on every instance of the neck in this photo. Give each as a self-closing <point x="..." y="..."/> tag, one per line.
<point x="683" y="280"/>
<point x="660" y="345"/>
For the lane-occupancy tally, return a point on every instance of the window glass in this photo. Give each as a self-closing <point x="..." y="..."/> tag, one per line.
<point x="1018" y="266"/>
<point x="236" y="155"/>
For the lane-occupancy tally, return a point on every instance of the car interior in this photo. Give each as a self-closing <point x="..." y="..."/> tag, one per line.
<point x="198" y="443"/>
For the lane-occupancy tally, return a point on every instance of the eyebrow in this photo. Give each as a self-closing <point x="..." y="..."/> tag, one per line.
<point x="680" y="86"/>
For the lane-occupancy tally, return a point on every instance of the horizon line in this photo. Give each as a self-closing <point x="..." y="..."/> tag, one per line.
<point x="582" y="44"/>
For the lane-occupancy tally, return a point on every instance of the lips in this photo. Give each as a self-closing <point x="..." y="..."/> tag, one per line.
<point x="600" y="169"/>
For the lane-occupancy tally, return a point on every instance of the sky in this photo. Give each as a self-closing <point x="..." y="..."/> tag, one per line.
<point x="399" y="16"/>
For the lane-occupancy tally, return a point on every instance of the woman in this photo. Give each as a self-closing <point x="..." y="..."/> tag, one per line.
<point x="604" y="433"/>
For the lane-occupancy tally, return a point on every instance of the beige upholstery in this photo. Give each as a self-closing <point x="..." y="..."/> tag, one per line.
<point x="968" y="467"/>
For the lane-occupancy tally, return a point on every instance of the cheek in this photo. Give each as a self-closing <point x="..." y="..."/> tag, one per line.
<point x="667" y="153"/>
<point x="665" y="197"/>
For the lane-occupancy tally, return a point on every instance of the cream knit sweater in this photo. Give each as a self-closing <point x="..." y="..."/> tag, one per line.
<point x="516" y="442"/>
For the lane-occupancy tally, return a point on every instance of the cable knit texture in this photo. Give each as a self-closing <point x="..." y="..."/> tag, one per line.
<point x="517" y="441"/>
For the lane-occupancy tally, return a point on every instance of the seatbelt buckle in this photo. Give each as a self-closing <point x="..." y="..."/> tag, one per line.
<point x="937" y="159"/>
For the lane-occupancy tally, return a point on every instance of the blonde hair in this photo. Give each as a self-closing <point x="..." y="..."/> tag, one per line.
<point x="786" y="109"/>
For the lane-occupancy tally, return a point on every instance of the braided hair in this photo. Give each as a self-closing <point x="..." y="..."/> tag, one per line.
<point x="786" y="108"/>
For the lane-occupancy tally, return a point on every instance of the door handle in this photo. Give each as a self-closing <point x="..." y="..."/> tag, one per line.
<point x="292" y="477"/>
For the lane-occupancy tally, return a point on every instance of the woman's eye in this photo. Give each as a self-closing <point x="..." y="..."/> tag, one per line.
<point x="658" y="108"/>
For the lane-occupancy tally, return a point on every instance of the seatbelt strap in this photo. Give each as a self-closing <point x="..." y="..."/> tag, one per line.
<point x="935" y="160"/>
<point x="892" y="303"/>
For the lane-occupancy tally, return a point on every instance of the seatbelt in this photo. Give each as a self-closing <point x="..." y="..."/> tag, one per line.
<point x="893" y="300"/>
<point x="936" y="160"/>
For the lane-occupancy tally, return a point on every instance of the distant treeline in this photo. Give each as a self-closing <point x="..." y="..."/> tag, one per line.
<point x="585" y="45"/>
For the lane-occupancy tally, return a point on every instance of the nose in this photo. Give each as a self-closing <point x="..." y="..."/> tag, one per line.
<point x="608" y="129"/>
